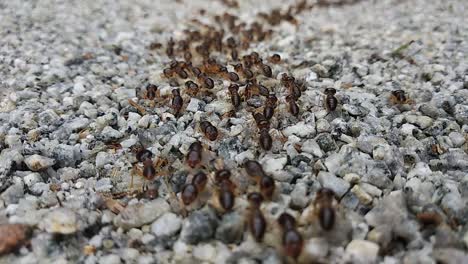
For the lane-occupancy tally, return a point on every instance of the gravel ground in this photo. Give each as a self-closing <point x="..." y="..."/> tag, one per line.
<point x="67" y="129"/>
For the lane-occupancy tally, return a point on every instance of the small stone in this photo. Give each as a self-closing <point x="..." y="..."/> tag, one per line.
<point x="320" y="70"/>
<point x="47" y="117"/>
<point x="109" y="134"/>
<point x="13" y="194"/>
<point x="38" y="163"/>
<point x="300" y="129"/>
<point x="60" y="221"/>
<point x="381" y="235"/>
<point x="363" y="197"/>
<point x="299" y="198"/>
<point x="200" y="226"/>
<point x="457" y="139"/>
<point x="352" y="178"/>
<point x="103" y="158"/>
<point x="362" y="251"/>
<point x="32" y="179"/>
<point x="323" y="126"/>
<point x="356" y="110"/>
<point x="65" y="155"/>
<point x="311" y="146"/>
<point x="68" y="174"/>
<point x="461" y="113"/>
<point x="122" y="94"/>
<point x="315" y="248"/>
<point x="338" y="185"/>
<point x="110" y="259"/>
<point x="204" y="252"/>
<point x="429" y="110"/>
<point x="144" y="121"/>
<point x="371" y="189"/>
<point x="273" y="163"/>
<point x="326" y="142"/>
<point x="367" y="144"/>
<point x="137" y="215"/>
<point x="194" y="105"/>
<point x="167" y="225"/>
<point x="103" y="185"/>
<point x="422" y="122"/>
<point x="230" y="228"/>
<point x="129" y="254"/>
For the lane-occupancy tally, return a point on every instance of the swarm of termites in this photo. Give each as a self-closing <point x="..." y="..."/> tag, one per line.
<point x="208" y="59"/>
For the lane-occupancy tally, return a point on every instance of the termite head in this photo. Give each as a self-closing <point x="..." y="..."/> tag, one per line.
<point x="222" y="175"/>
<point x="209" y="130"/>
<point x="325" y="194"/>
<point x="151" y="91"/>
<point x="194" y="154"/>
<point x="189" y="194"/>
<point x="399" y="96"/>
<point x="267" y="186"/>
<point x="286" y="221"/>
<point x="175" y="92"/>
<point x="255" y="199"/>
<point x="199" y="180"/>
<point x="233" y="88"/>
<point x="330" y="91"/>
<point x="143" y="155"/>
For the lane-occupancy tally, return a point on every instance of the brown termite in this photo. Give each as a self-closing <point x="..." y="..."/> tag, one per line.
<point x="191" y="190"/>
<point x="275" y="58"/>
<point x="155" y="45"/>
<point x="192" y="87"/>
<point x="170" y="48"/>
<point x="188" y="194"/>
<point x="151" y="91"/>
<point x="267" y="186"/>
<point x="256" y="221"/>
<point x="293" y="107"/>
<point x="149" y="172"/>
<point x="177" y="101"/>
<point x="238" y="68"/>
<point x="143" y="155"/>
<point x="195" y="71"/>
<point x="194" y="155"/>
<point x="270" y="105"/>
<point x="330" y="100"/>
<point x="253" y="168"/>
<point x="234" y="55"/>
<point x="235" y="97"/>
<point x="233" y="76"/>
<point x="231" y="43"/>
<point x="263" y="90"/>
<point x="182" y="73"/>
<point x="168" y="72"/>
<point x="187" y="56"/>
<point x="262" y="122"/>
<point x="225" y="194"/>
<point x="324" y="209"/>
<point x="208" y="83"/>
<point x="200" y="180"/>
<point x="265" y="139"/>
<point x="399" y="97"/>
<point x="266" y="70"/>
<point x="210" y="131"/>
<point x="295" y="90"/>
<point x="248" y="74"/>
<point x="292" y="240"/>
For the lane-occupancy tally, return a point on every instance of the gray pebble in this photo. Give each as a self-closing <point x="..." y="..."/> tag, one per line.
<point x="200" y="226"/>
